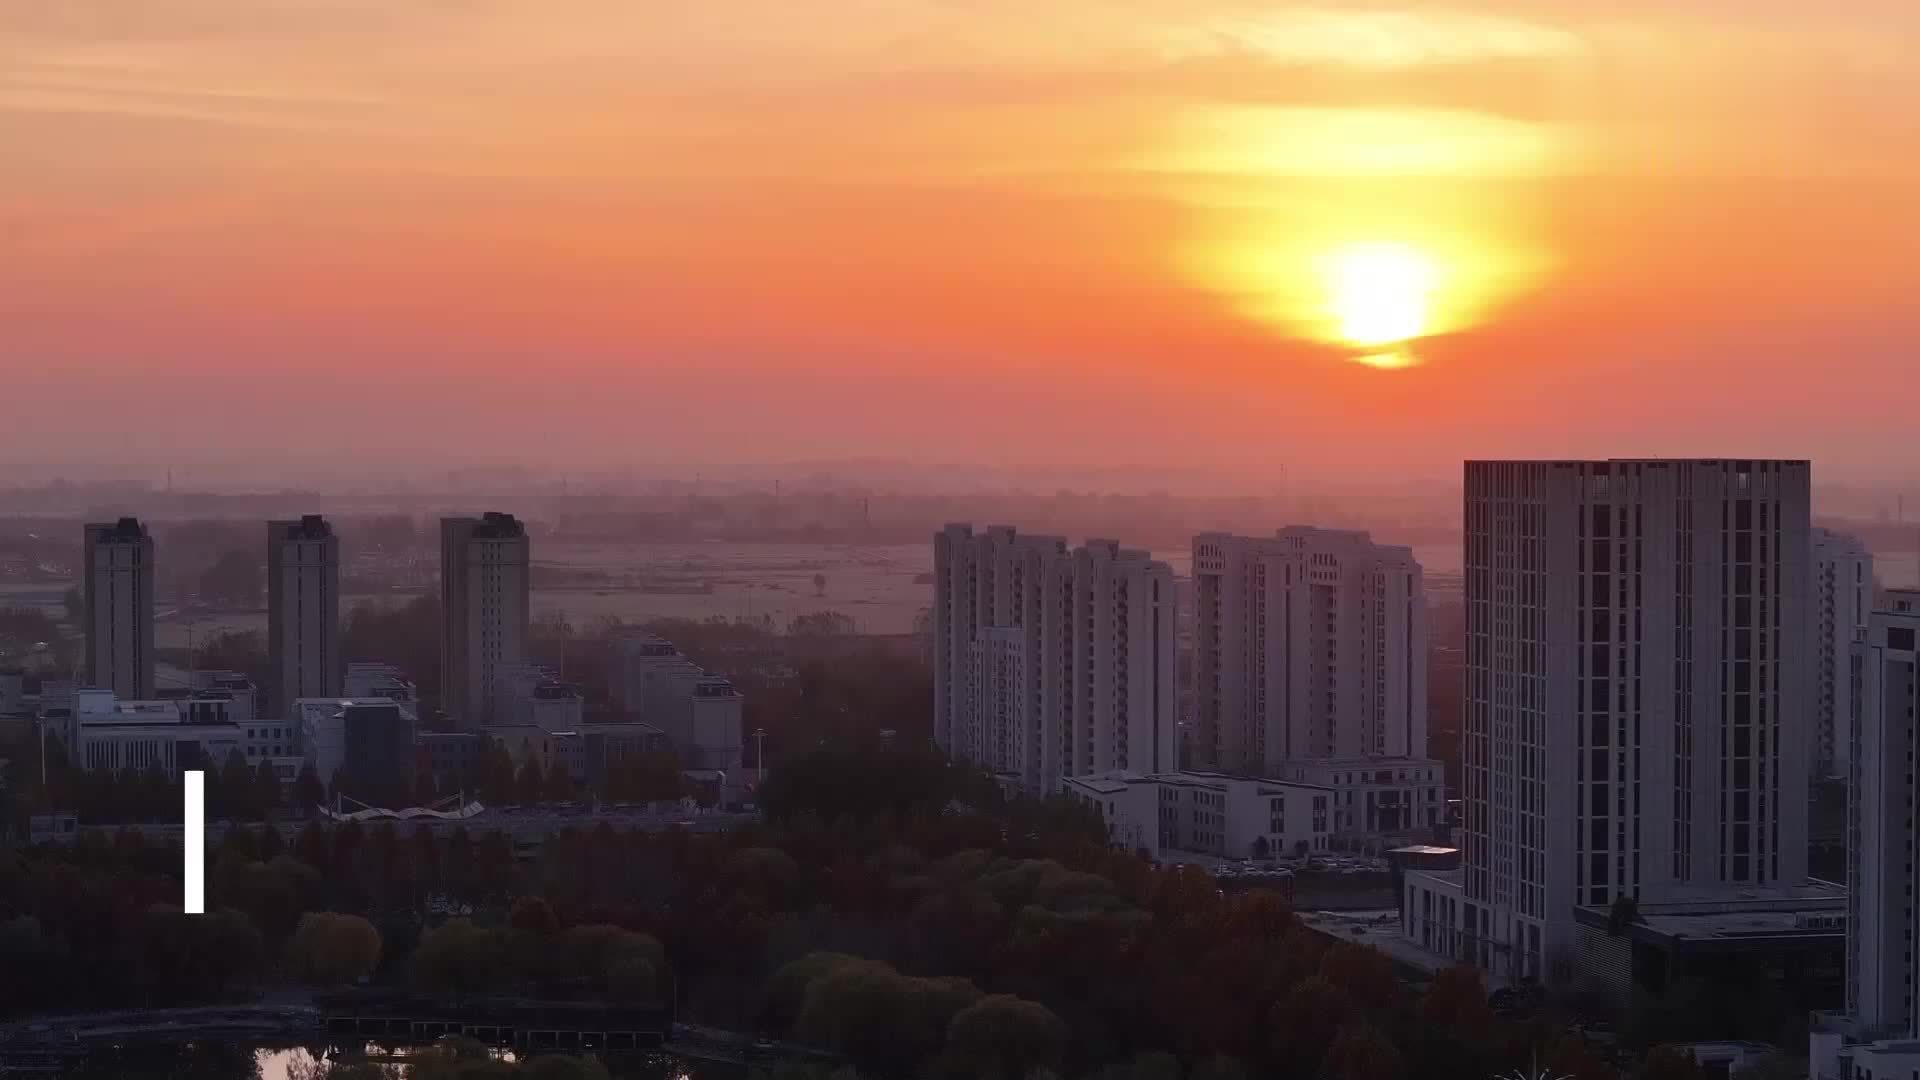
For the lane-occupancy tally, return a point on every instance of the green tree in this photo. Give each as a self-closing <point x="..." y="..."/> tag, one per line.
<point x="459" y="957"/>
<point x="265" y="798"/>
<point x="331" y="949"/>
<point x="1006" y="1037"/>
<point x="307" y="790"/>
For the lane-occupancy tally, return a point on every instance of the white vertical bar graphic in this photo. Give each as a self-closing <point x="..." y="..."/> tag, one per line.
<point x="194" y="845"/>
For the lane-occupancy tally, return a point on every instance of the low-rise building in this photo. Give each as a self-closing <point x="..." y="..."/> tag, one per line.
<point x="1377" y="796"/>
<point x="534" y="695"/>
<point x="1202" y="813"/>
<point x="174" y="734"/>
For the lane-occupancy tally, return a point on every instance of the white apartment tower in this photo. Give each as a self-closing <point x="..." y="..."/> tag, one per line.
<point x="1051" y="662"/>
<point x="485" y="587"/>
<point x="1882" y="854"/>
<point x="1843" y="594"/>
<point x="118" y="591"/>
<point x="1310" y="644"/>
<point x="1639" y="682"/>
<point x="303" y="609"/>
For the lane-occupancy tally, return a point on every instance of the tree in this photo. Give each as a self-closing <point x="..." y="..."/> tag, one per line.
<point x="265" y="796"/>
<point x="533" y="915"/>
<point x="1671" y="1063"/>
<point x="1303" y="1025"/>
<point x="307" y="792"/>
<point x="459" y="957"/>
<point x="1361" y="1052"/>
<point x="1006" y="1037"/>
<point x="330" y="949"/>
<point x="1623" y="914"/>
<point x="530" y="785"/>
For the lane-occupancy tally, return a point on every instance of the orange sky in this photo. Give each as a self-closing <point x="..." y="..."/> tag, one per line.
<point x="955" y="229"/>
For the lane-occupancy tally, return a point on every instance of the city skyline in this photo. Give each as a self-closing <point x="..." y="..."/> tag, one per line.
<point x="685" y="228"/>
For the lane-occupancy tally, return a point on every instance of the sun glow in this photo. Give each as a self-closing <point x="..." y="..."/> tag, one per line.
<point x="1380" y="294"/>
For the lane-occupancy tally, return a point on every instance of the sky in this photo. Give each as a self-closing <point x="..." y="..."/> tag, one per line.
<point x="1083" y="231"/>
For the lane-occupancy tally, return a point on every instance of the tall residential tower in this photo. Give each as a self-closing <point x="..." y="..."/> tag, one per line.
<point x="1050" y="661"/>
<point x="486" y="594"/>
<point x="303" y="609"/>
<point x="118" y="590"/>
<point x="1883" y="848"/>
<point x="1639" y="681"/>
<point x="1843" y="597"/>
<point x="1310" y="644"/>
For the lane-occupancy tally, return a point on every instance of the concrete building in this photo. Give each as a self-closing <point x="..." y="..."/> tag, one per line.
<point x="118" y="590"/>
<point x="1311" y="643"/>
<point x="1201" y="813"/>
<point x="485" y="588"/>
<point x="1377" y="796"/>
<point x="366" y="679"/>
<point x="1051" y="662"/>
<point x="701" y="713"/>
<point x="174" y="734"/>
<point x="1639" y="678"/>
<point x="1843" y="597"/>
<point x="303" y="609"/>
<point x="1883" y="847"/>
<point x="532" y="694"/>
<point x="367" y="742"/>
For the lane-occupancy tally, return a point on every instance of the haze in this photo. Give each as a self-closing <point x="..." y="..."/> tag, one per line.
<point x="1080" y="232"/>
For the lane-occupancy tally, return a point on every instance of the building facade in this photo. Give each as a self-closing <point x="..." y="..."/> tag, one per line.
<point x="1377" y="796"/>
<point x="1638" y="687"/>
<point x="1843" y="598"/>
<point x="303" y="609"/>
<point x="118" y="593"/>
<point x="1203" y="813"/>
<point x="1311" y="643"/>
<point x="1050" y="661"/>
<point x="1884" y="668"/>
<point x="486" y="596"/>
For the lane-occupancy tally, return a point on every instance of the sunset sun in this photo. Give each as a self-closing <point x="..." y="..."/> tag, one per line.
<point x="1380" y="294"/>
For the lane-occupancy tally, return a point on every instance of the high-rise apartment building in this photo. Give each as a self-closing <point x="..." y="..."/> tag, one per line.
<point x="303" y="609"/>
<point x="1639" y="681"/>
<point x="1883" y="848"/>
<point x="1310" y="644"/>
<point x="485" y="587"/>
<point x="1843" y="597"/>
<point x="118" y="591"/>
<point x="1050" y="661"/>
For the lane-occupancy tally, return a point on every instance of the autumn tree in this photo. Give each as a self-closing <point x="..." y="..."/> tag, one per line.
<point x="1002" y="1037"/>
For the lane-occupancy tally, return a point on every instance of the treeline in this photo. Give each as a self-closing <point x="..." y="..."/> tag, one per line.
<point x="893" y="908"/>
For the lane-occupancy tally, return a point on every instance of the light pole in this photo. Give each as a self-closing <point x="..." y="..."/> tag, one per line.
<point x="760" y="757"/>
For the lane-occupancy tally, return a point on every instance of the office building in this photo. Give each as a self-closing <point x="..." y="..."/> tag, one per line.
<point x="1309" y="644"/>
<point x="485" y="589"/>
<point x="118" y="593"/>
<point x="171" y="735"/>
<point x="1049" y="661"/>
<point x="365" y="744"/>
<point x="1377" y="796"/>
<point x="1638" y="691"/>
<point x="303" y="609"/>
<point x="1843" y="597"/>
<point x="1202" y="813"/>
